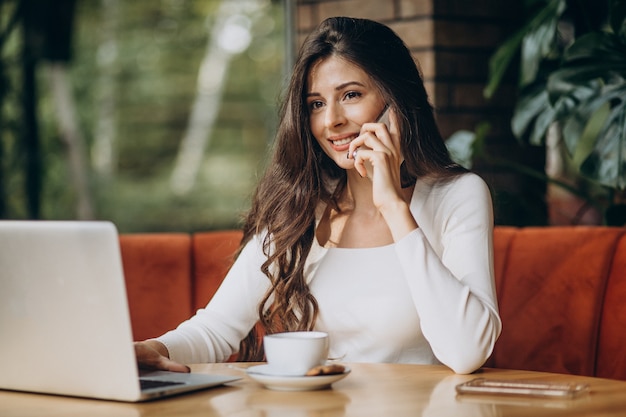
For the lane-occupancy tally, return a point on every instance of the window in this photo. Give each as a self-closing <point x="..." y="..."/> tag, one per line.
<point x="175" y="103"/>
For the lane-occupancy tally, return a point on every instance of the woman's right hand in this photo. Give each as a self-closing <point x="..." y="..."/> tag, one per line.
<point x="152" y="354"/>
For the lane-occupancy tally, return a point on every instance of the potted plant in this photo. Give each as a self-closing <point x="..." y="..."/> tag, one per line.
<point x="572" y="85"/>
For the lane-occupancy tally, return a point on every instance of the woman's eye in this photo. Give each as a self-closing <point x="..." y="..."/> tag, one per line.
<point x="314" y="105"/>
<point x="352" y="94"/>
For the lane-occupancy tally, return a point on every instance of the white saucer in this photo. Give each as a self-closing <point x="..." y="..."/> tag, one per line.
<point x="264" y="375"/>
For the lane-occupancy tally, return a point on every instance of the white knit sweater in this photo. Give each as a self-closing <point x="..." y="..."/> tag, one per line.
<point x="428" y="298"/>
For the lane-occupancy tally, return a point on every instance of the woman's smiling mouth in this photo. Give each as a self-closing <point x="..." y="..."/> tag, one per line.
<point x="342" y="142"/>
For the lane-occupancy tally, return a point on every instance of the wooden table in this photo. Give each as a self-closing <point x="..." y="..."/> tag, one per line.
<point x="379" y="390"/>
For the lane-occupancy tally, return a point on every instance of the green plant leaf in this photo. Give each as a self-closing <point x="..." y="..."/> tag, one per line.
<point x="574" y="111"/>
<point x="530" y="104"/>
<point x="537" y="30"/>
<point x="534" y="113"/>
<point x="500" y="61"/>
<point x="543" y="122"/>
<point x="589" y="134"/>
<point x="591" y="83"/>
<point x="597" y="54"/>
<point x="461" y="147"/>
<point x="536" y="45"/>
<point x="607" y="160"/>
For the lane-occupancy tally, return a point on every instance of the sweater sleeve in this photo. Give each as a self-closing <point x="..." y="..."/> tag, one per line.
<point x="214" y="332"/>
<point x="448" y="263"/>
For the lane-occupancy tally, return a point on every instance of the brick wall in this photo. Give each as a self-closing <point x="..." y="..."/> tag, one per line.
<point x="452" y="41"/>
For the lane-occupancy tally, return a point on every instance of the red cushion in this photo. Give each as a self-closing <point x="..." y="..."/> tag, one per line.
<point x="213" y="254"/>
<point x="612" y="349"/>
<point x="502" y="238"/>
<point x="157" y="268"/>
<point x="551" y="298"/>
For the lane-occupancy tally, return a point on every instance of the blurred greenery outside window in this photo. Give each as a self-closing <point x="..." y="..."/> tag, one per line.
<point x="175" y="101"/>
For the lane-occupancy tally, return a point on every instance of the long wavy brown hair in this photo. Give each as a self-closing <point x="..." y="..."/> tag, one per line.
<point x="300" y="176"/>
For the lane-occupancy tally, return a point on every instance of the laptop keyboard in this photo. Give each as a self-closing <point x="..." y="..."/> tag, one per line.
<point x="151" y="383"/>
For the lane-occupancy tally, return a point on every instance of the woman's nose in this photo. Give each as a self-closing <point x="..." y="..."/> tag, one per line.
<point x="334" y="116"/>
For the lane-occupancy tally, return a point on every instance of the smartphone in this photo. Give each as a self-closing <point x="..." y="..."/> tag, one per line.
<point x="522" y="388"/>
<point x="384" y="117"/>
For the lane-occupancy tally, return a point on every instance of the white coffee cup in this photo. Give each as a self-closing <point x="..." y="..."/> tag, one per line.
<point x="294" y="353"/>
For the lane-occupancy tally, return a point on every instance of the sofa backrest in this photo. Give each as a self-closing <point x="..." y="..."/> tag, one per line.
<point x="557" y="291"/>
<point x="170" y="275"/>
<point x="561" y="292"/>
<point x="157" y="268"/>
<point x="611" y="354"/>
<point x="213" y="254"/>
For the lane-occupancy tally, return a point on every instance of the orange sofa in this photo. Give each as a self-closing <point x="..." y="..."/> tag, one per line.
<point x="561" y="292"/>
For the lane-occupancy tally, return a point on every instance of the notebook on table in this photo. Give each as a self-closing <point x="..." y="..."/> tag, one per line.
<point x="64" y="319"/>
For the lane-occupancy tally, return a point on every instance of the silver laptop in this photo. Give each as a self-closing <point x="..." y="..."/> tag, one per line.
<point x="64" y="320"/>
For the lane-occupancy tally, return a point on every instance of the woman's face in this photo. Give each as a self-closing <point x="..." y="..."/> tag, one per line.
<point x="340" y="98"/>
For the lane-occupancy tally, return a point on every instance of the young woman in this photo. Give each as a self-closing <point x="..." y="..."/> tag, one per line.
<point x="362" y="226"/>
